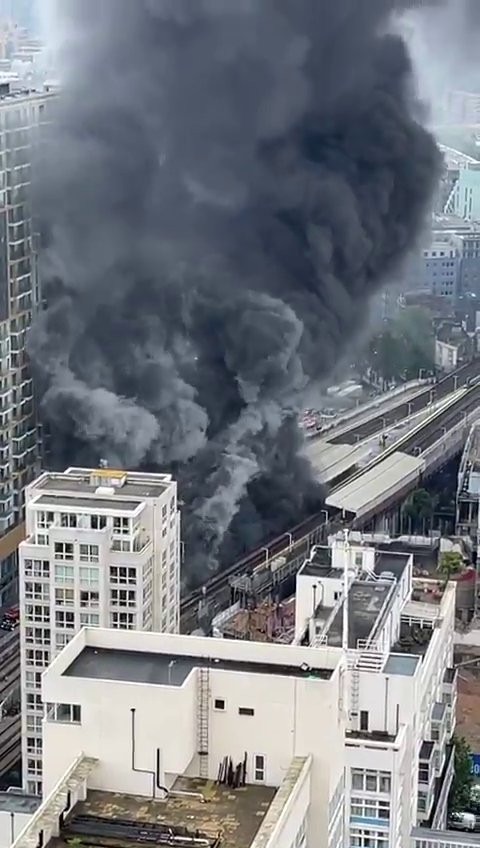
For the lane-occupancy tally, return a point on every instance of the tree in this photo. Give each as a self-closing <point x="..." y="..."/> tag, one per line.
<point x="404" y="346"/>
<point x="450" y="563"/>
<point x="460" y="792"/>
<point x="418" y="510"/>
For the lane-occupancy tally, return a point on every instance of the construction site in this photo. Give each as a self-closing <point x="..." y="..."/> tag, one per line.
<point x="467" y="659"/>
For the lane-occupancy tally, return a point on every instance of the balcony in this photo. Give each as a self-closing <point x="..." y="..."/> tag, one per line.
<point x="449" y="683"/>
<point x="426" y="780"/>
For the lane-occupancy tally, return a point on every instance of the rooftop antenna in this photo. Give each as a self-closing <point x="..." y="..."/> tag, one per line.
<point x="346" y="563"/>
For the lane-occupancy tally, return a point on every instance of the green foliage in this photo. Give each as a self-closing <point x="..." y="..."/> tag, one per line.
<point x="404" y="347"/>
<point x="451" y="563"/>
<point x="460" y="793"/>
<point x="418" y="510"/>
<point x="75" y="842"/>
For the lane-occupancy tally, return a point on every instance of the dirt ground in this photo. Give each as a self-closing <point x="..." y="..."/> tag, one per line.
<point x="468" y="707"/>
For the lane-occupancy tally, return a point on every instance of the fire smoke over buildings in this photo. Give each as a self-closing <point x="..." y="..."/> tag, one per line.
<point x="225" y="185"/>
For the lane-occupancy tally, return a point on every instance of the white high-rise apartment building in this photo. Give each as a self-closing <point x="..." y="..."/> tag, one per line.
<point x="102" y="550"/>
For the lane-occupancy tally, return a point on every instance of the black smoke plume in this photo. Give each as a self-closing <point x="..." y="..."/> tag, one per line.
<point x="225" y="184"/>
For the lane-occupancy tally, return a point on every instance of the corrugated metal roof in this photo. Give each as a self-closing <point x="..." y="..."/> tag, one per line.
<point x="372" y="488"/>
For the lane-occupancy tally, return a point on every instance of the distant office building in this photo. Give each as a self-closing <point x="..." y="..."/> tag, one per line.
<point x="20" y="12"/>
<point x="455" y="162"/>
<point x="463" y="107"/>
<point x="453" y="345"/>
<point x="441" y="265"/>
<point x="468" y="246"/>
<point x="465" y="199"/>
<point x="102" y="550"/>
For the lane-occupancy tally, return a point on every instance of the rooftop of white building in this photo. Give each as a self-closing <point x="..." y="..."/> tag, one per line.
<point x="18" y="802"/>
<point x="215" y="813"/>
<point x="87" y="481"/>
<point x="169" y="661"/>
<point x="195" y="813"/>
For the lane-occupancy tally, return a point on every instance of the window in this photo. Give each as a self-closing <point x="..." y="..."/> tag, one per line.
<point x="246" y="711"/>
<point x="121" y="525"/>
<point x="360" y="838"/>
<point x="123" y="620"/>
<point x="63" y="550"/>
<point x="363" y="720"/>
<point x="89" y="619"/>
<point x="65" y="619"/>
<point x="64" y="573"/>
<point x="121" y="545"/>
<point x="98" y="522"/>
<point x="34" y="787"/>
<point x="119" y="575"/>
<point x="371" y="781"/>
<point x="64" y="597"/>
<point x="44" y="520"/>
<point x="38" y="657"/>
<point x="37" y="635"/>
<point x="370" y="808"/>
<point x="34" y="745"/>
<point x="36" y="567"/>
<point x="219" y="704"/>
<point x="70" y="713"/>
<point x="62" y="639"/>
<point x="423" y="774"/>
<point x="385" y="782"/>
<point x="88" y="553"/>
<point x="259" y="768"/>
<point x="123" y="597"/>
<point x="37" y="592"/>
<point x="359" y="558"/>
<point x="33" y="679"/>
<point x="33" y="701"/>
<point x="37" y="613"/>
<point x="34" y="767"/>
<point x="68" y="519"/>
<point x="34" y="723"/>
<point x="89" y="598"/>
<point x="89" y="576"/>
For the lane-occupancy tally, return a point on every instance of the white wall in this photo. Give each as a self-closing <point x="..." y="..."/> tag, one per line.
<point x="292" y="717"/>
<point x="280" y="827"/>
<point x="11" y="824"/>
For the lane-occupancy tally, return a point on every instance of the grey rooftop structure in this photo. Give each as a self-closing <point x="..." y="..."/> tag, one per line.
<point x="170" y="669"/>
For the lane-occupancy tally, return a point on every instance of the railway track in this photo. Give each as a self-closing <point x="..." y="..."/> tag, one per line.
<point x="288" y="543"/>
<point x="310" y="530"/>
<point x="363" y="429"/>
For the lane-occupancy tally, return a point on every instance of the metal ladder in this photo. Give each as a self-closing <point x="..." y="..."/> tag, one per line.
<point x="202" y="720"/>
<point x="354" y="691"/>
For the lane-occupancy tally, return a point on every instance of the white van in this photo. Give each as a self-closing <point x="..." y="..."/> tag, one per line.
<point x="462" y="821"/>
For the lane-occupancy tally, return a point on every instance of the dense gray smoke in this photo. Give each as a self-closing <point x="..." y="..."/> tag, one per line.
<point x="224" y="187"/>
<point x="445" y="48"/>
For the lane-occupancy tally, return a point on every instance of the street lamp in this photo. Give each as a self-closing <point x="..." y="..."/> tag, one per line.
<point x="290" y="538"/>
<point x="325" y="513"/>
<point x="267" y="553"/>
<point x="170" y="666"/>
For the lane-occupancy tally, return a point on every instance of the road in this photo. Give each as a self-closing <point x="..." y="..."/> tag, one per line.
<point x="404" y="409"/>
